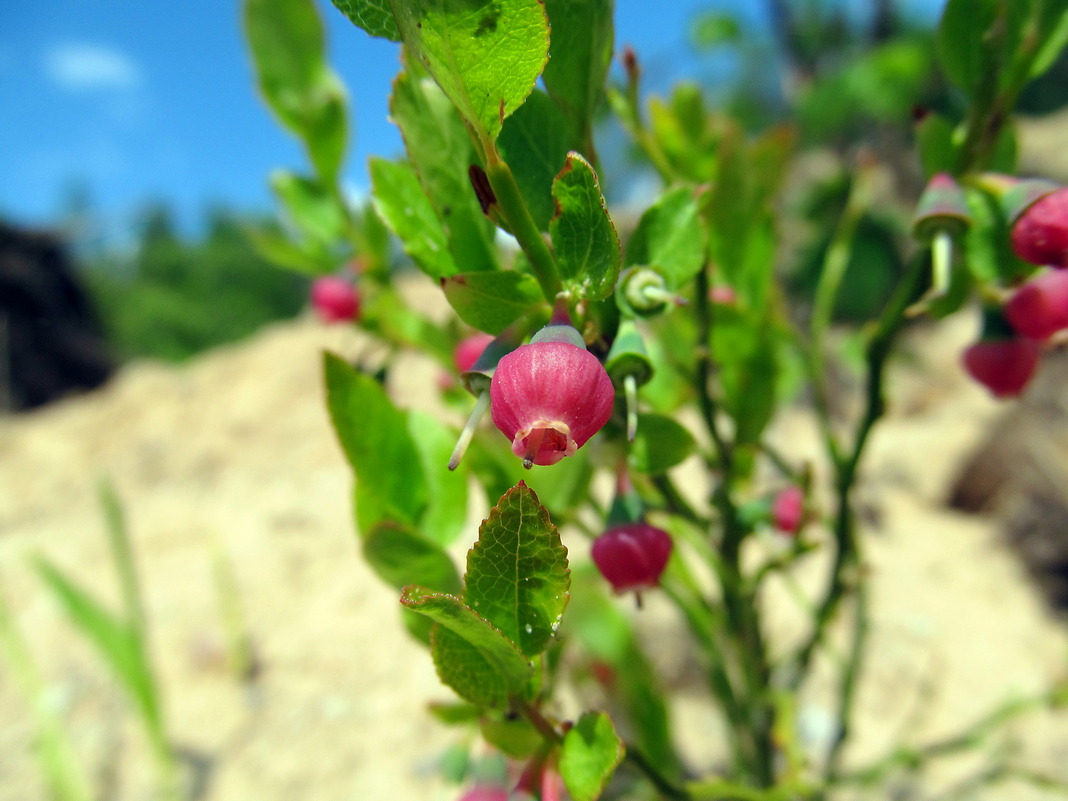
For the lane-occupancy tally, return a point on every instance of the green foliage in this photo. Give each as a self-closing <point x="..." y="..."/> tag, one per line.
<point x="475" y="659"/>
<point x="452" y="37"/>
<point x="517" y="575"/>
<point x="589" y="757"/>
<point x="694" y="322"/>
<point x="177" y="298"/>
<point x="583" y="235"/>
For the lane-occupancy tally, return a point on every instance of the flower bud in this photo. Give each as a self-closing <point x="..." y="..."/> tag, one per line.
<point x="468" y="350"/>
<point x="550" y="396"/>
<point x="787" y="509"/>
<point x="1040" y="233"/>
<point x="1039" y="308"/>
<point x="1004" y="366"/>
<point x="632" y="556"/>
<point x="334" y="299"/>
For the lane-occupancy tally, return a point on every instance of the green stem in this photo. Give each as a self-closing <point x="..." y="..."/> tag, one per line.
<point x="517" y="214"/>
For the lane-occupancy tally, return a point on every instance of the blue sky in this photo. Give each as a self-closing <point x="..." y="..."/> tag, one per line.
<point x="135" y="101"/>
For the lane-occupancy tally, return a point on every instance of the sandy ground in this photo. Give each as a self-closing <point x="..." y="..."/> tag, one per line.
<point x="233" y="452"/>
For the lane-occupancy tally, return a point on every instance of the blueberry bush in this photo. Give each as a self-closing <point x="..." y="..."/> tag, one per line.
<point x="623" y="367"/>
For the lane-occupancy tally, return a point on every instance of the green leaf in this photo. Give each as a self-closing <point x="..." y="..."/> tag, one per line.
<point x="517" y="573"/>
<point x="440" y="150"/>
<point x="590" y="754"/>
<point x="746" y="348"/>
<point x="374" y="16"/>
<point x="276" y="247"/>
<point x="471" y="656"/>
<point x="313" y="209"/>
<point x="670" y="237"/>
<point x="288" y="52"/>
<point x="580" y="52"/>
<point x="405" y="208"/>
<point x="584" y="238"/>
<point x="485" y="54"/>
<point x="446" y="511"/>
<point x="559" y="488"/>
<point x="660" y="444"/>
<point x="934" y="139"/>
<point x="963" y="37"/>
<point x="492" y="301"/>
<point x="1053" y="26"/>
<point x="401" y="556"/>
<point x="374" y="435"/>
<point x="535" y="142"/>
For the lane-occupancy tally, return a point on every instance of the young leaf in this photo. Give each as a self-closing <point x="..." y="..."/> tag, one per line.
<point x="374" y="435"/>
<point x="580" y="53"/>
<point x="485" y="54"/>
<point x="535" y="142"/>
<point x="585" y="240"/>
<point x="401" y="556"/>
<point x="440" y="150"/>
<point x="479" y="662"/>
<point x="670" y="237"/>
<point x="591" y="752"/>
<point x="517" y="574"/>
<point x="374" y="16"/>
<point x="492" y="301"/>
<point x="405" y="208"/>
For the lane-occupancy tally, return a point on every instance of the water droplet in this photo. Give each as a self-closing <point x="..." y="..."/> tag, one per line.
<point x="528" y="628"/>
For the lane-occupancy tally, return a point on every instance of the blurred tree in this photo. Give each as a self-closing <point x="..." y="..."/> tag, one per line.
<point x="178" y="296"/>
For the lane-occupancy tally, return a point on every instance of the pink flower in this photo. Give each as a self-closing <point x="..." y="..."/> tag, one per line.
<point x="1039" y="308"/>
<point x="787" y="509"/>
<point x="485" y="792"/>
<point x="1004" y="366"/>
<point x="550" y="396"/>
<point x="1040" y="234"/>
<point x="632" y="556"/>
<point x="334" y="299"/>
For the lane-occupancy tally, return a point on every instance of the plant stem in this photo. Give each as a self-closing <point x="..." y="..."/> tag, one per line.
<point x="517" y="214"/>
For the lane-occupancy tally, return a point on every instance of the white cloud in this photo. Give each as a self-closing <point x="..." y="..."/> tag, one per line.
<point x="80" y="66"/>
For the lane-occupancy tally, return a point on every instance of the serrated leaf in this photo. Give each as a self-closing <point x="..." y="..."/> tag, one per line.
<point x="452" y="38"/>
<point x="440" y="150"/>
<point x="583" y="236"/>
<point x="580" y="52"/>
<point x="312" y="209"/>
<point x="374" y="16"/>
<point x="401" y="556"/>
<point x="374" y="436"/>
<point x="471" y="656"/>
<point x="517" y="574"/>
<point x="490" y="302"/>
<point x="404" y="207"/>
<point x="590" y="755"/>
<point x="670" y="237"/>
<point x="535" y="141"/>
<point x="660" y="444"/>
<point x="446" y="510"/>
